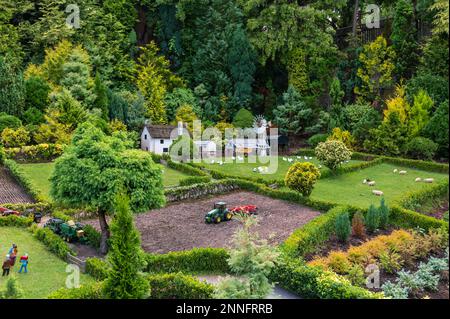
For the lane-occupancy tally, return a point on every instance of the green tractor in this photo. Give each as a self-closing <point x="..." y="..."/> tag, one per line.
<point x="219" y="214"/>
<point x="69" y="231"/>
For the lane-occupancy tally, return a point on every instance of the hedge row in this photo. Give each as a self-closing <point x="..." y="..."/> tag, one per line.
<point x="92" y="291"/>
<point x="16" y="221"/>
<point x="420" y="165"/>
<point x="187" y="169"/>
<point x="17" y="173"/>
<point x="26" y="209"/>
<point x="306" y="239"/>
<point x="414" y="200"/>
<point x="97" y="268"/>
<point x="352" y="168"/>
<point x="197" y="260"/>
<point x="195" y="180"/>
<point x="178" y="286"/>
<point x="314" y="283"/>
<point x="405" y="218"/>
<point x="53" y="242"/>
<point x="35" y="153"/>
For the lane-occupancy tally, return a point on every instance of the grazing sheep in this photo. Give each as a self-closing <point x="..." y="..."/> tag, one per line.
<point x="306" y="157"/>
<point x="255" y="170"/>
<point x="429" y="180"/>
<point x="310" y="158"/>
<point x="365" y="181"/>
<point x="371" y="183"/>
<point x="403" y="172"/>
<point x="377" y="193"/>
<point x="395" y="171"/>
<point x="213" y="161"/>
<point x="290" y="160"/>
<point x="418" y="179"/>
<point x="285" y="159"/>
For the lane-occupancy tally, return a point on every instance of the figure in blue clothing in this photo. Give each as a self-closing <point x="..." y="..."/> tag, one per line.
<point x="24" y="264"/>
<point x="12" y="249"/>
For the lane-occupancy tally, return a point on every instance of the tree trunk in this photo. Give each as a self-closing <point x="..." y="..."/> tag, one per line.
<point x="355" y="17"/>
<point x="105" y="232"/>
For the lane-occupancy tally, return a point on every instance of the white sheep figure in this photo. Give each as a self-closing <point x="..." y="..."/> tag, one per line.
<point x="290" y="160"/>
<point x="299" y="157"/>
<point x="285" y="159"/>
<point x="403" y="172"/>
<point x="395" y="171"/>
<point x="220" y="163"/>
<point x="418" y="179"/>
<point x="255" y="170"/>
<point x="306" y="157"/>
<point x="233" y="158"/>
<point x="429" y="180"/>
<point x="372" y="183"/>
<point x="310" y="158"/>
<point x="213" y="161"/>
<point x="377" y="193"/>
<point x="240" y="158"/>
<point x="320" y="166"/>
<point x="365" y="181"/>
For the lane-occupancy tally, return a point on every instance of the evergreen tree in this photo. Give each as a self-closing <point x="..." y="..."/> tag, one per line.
<point x="37" y="93"/>
<point x="125" y="280"/>
<point x="101" y="97"/>
<point x="438" y="128"/>
<point x="12" y="89"/>
<point x="419" y="115"/>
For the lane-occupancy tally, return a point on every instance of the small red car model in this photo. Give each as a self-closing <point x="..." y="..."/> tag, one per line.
<point x="6" y="212"/>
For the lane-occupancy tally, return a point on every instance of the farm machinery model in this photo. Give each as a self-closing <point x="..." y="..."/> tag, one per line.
<point x="4" y="212"/>
<point x="221" y="213"/>
<point x="69" y="231"/>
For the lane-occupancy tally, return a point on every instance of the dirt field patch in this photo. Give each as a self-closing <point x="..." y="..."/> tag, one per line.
<point x="181" y="226"/>
<point x="10" y="191"/>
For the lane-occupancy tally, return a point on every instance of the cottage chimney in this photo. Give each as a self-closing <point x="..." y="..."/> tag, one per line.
<point x="180" y="128"/>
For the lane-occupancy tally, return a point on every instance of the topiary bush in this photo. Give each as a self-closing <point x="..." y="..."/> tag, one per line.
<point x="314" y="140"/>
<point x="343" y="228"/>
<point x="301" y="177"/>
<point x="421" y="148"/>
<point x="333" y="153"/>
<point x="372" y="219"/>
<point x="383" y="213"/>
<point x="243" y="119"/>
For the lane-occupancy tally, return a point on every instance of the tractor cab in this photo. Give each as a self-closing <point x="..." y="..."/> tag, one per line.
<point x="219" y="214"/>
<point x="220" y="205"/>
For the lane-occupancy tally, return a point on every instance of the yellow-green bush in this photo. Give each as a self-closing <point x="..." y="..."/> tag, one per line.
<point x="301" y="177"/>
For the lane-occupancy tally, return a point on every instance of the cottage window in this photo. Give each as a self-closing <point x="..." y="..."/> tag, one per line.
<point x="165" y="150"/>
<point x="145" y="136"/>
<point x="161" y="141"/>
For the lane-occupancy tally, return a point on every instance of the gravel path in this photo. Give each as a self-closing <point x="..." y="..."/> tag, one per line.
<point x="181" y="226"/>
<point x="10" y="191"/>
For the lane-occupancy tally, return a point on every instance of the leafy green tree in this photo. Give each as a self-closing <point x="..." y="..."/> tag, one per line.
<point x="404" y="40"/>
<point x="96" y="167"/>
<point x="124" y="10"/>
<point x="376" y="69"/>
<point x="301" y="177"/>
<point x="419" y="114"/>
<point x="186" y="115"/>
<point x="178" y="98"/>
<point x="101" y="97"/>
<point x="333" y="153"/>
<point x="243" y="119"/>
<point x="33" y="116"/>
<point x="293" y="116"/>
<point x="70" y="111"/>
<point x="434" y="59"/>
<point x="421" y="148"/>
<point x="12" y="89"/>
<point x="441" y="20"/>
<point x="298" y="71"/>
<point x="438" y="130"/>
<point x="360" y="119"/>
<point x="252" y="260"/>
<point x="10" y="121"/>
<point x="37" y="93"/>
<point x="435" y="86"/>
<point x="125" y="280"/>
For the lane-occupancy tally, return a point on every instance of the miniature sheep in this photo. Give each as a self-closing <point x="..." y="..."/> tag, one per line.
<point x="365" y="181"/>
<point x="429" y="180"/>
<point x="403" y="172"/>
<point x="371" y="183"/>
<point x="395" y="171"/>
<point x="377" y="193"/>
<point x="418" y="179"/>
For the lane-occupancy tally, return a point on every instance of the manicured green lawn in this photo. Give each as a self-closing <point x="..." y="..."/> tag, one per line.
<point x="39" y="175"/>
<point x="349" y="189"/>
<point x="245" y="169"/>
<point x="46" y="272"/>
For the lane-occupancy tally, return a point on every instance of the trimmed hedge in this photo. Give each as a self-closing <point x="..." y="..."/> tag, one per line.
<point x="405" y="218"/>
<point x="352" y="168"/>
<point x="178" y="286"/>
<point x="305" y="240"/>
<point x="17" y="173"/>
<point x="35" y="153"/>
<point x="53" y="242"/>
<point x="420" y="165"/>
<point x="97" y="268"/>
<point x="93" y="291"/>
<point x="197" y="260"/>
<point x="195" y="180"/>
<point x="187" y="169"/>
<point x="313" y="283"/>
<point x="16" y="221"/>
<point x="416" y="199"/>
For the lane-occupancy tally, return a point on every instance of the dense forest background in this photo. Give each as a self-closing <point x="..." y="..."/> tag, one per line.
<point x="311" y="67"/>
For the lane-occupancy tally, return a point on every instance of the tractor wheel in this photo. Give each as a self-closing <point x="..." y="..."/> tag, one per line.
<point x="217" y="220"/>
<point x="228" y="216"/>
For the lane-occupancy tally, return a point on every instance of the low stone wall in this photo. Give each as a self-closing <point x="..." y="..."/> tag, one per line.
<point x="199" y="191"/>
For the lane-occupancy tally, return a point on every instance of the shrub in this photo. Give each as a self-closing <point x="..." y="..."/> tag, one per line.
<point x="35" y="153"/>
<point x="194" y="180"/>
<point x="93" y="291"/>
<point x="92" y="235"/>
<point x="243" y="119"/>
<point x="372" y="219"/>
<point x="12" y="289"/>
<point x="15" y="137"/>
<point x="314" y="140"/>
<point x="383" y="213"/>
<point x="9" y="121"/>
<point x="2" y="155"/>
<point x="97" y="268"/>
<point x="178" y="286"/>
<point x="333" y="153"/>
<point x="343" y="136"/>
<point x="421" y="148"/>
<point x="53" y="242"/>
<point x="33" y="116"/>
<point x="301" y="177"/>
<point x="16" y="221"/>
<point x="358" y="228"/>
<point x="390" y="261"/>
<point x="343" y="228"/>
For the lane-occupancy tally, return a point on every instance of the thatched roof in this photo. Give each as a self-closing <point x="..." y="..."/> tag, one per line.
<point x="160" y="131"/>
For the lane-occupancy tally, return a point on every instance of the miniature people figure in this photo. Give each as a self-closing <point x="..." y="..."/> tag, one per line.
<point x="6" y="266"/>
<point x="24" y="264"/>
<point x="11" y="250"/>
<point x="13" y="256"/>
